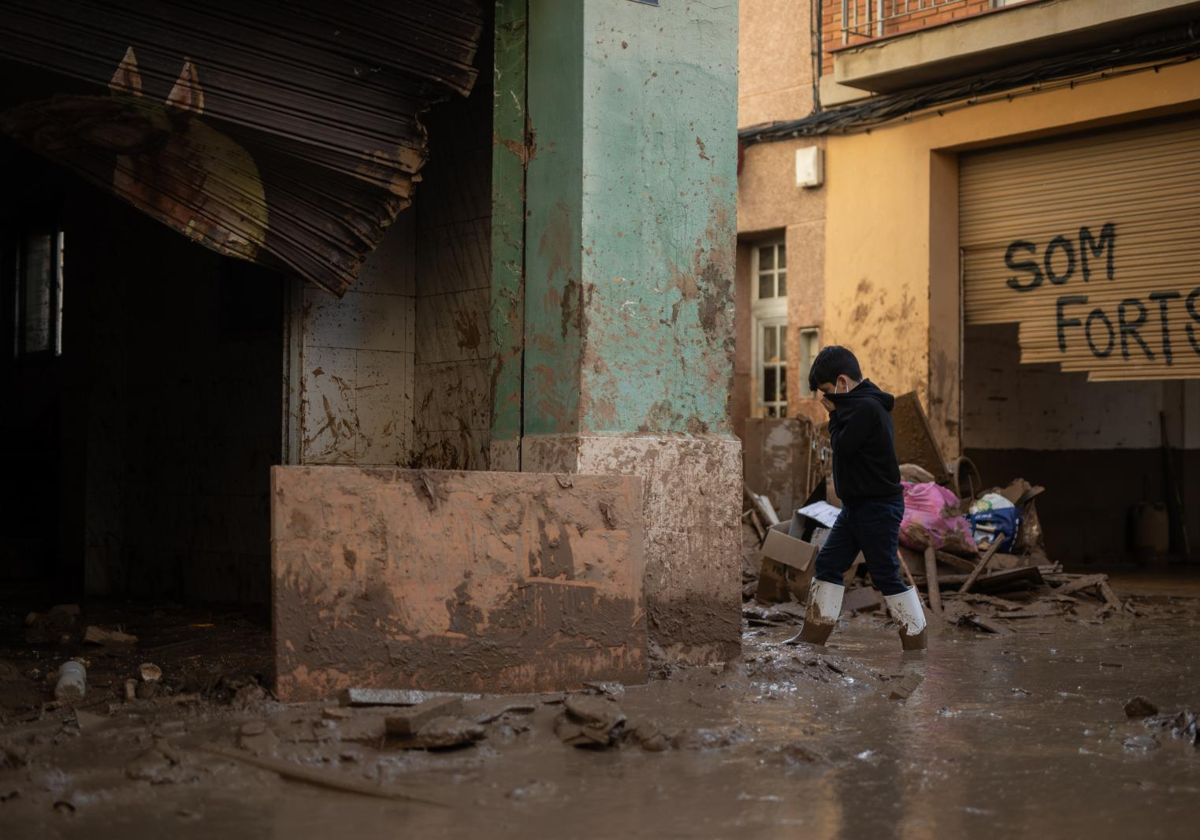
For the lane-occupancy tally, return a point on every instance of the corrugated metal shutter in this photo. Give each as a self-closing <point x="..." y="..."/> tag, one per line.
<point x="1092" y="245"/>
<point x="282" y="133"/>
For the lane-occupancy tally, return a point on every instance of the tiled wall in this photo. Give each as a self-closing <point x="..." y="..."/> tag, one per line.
<point x="398" y="371"/>
<point x="452" y="408"/>
<point x="357" y="361"/>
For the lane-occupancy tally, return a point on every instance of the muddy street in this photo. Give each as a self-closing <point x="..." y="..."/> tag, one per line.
<point x="588" y="419"/>
<point x="1024" y="734"/>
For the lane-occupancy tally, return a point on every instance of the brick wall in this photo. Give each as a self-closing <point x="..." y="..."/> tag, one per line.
<point x="915" y="14"/>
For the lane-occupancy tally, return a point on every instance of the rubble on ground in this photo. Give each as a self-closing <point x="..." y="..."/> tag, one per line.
<point x="106" y="636"/>
<point x="1139" y="707"/>
<point x="1184" y="725"/>
<point x="976" y="554"/>
<point x="590" y="720"/>
<point x="442" y="733"/>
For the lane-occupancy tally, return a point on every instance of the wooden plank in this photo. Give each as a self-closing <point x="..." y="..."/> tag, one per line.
<point x="955" y="561"/>
<point x="906" y="687"/>
<point x="931" y="580"/>
<point x="986" y="625"/>
<point x="997" y="580"/>
<point x="904" y="567"/>
<point x="970" y="581"/>
<point x="320" y="778"/>
<point x="1109" y="596"/>
<point x="761" y="505"/>
<point x="1085" y="582"/>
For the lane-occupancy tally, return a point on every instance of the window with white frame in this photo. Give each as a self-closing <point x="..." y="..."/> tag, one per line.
<point x="769" y="316"/>
<point x="810" y="344"/>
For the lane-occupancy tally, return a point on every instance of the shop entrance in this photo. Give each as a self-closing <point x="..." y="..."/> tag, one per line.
<point x="1081" y="342"/>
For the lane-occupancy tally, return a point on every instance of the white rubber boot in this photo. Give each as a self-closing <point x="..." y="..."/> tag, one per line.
<point x="907" y="611"/>
<point x="824" y="607"/>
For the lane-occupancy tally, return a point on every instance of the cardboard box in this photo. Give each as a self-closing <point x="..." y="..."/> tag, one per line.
<point x="787" y="564"/>
<point x="787" y="560"/>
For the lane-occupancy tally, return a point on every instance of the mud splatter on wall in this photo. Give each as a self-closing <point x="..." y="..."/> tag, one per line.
<point x="629" y="264"/>
<point x="452" y="406"/>
<point x="476" y="581"/>
<point x="397" y="371"/>
<point x="631" y="215"/>
<point x="879" y="321"/>
<point x="356" y="387"/>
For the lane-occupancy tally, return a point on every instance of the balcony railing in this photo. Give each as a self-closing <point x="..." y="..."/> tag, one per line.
<point x="876" y="18"/>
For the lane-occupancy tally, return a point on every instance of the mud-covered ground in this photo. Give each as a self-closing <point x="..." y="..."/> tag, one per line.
<point x="1023" y="734"/>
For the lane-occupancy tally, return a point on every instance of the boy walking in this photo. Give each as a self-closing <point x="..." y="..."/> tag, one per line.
<point x="867" y="479"/>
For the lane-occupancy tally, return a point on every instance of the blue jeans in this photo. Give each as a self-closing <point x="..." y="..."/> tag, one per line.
<point x="871" y="526"/>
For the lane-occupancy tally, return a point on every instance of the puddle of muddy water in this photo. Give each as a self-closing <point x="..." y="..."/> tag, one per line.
<point x="1023" y="735"/>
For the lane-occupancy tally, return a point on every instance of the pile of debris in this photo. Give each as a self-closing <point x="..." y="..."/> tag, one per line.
<point x="977" y="555"/>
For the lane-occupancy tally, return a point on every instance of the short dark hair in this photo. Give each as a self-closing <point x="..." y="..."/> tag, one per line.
<point x="832" y="362"/>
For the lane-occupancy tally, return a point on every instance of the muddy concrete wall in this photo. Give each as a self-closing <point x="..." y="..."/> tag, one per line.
<point x="780" y="462"/>
<point x="397" y="371"/>
<point x="741" y="404"/>
<point x="692" y="495"/>
<point x="465" y="581"/>
<point x="513" y="142"/>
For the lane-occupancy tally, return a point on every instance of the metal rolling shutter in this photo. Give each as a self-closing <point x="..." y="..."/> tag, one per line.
<point x="1143" y="183"/>
<point x="282" y="133"/>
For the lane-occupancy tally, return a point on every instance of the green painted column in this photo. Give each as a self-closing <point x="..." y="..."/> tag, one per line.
<point x="510" y="154"/>
<point x="630" y="219"/>
<point x="614" y="226"/>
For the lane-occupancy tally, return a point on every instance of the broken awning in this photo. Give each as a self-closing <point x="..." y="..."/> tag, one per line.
<point x="281" y="133"/>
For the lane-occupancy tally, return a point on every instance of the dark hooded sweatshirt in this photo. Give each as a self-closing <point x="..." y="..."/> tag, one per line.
<point x="864" y="444"/>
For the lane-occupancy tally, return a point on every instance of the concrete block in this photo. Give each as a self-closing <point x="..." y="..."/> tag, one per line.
<point x="409" y="721"/>
<point x="452" y="581"/>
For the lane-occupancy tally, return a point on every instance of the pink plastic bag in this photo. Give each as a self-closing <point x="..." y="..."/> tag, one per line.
<point x="926" y="521"/>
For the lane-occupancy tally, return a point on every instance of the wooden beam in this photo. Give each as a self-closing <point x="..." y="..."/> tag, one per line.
<point x="970" y="581"/>
<point x="955" y="561"/>
<point x="931" y="580"/>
